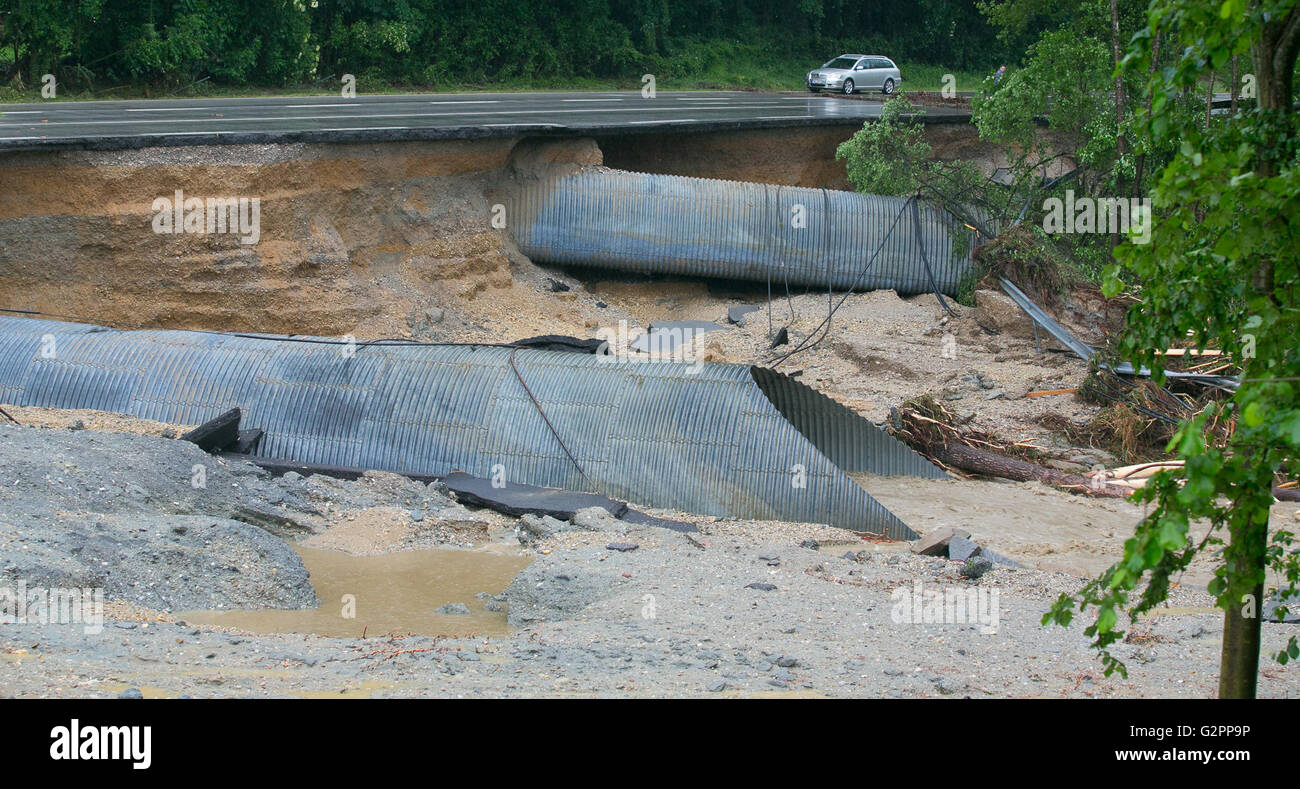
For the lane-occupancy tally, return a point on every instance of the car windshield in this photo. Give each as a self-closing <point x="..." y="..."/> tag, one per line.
<point x="841" y="63"/>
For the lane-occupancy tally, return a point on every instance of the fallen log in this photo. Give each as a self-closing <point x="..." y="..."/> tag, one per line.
<point x="992" y="464"/>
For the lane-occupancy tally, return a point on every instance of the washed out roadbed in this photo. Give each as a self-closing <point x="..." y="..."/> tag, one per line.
<point x="605" y="608"/>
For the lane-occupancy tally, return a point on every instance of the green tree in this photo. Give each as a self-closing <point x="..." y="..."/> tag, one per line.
<point x="1221" y="267"/>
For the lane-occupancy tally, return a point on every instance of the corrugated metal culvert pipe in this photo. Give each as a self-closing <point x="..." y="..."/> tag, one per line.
<point x="734" y="230"/>
<point x="716" y="439"/>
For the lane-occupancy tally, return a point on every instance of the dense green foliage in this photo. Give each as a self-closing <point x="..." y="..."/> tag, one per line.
<point x="1223" y="267"/>
<point x="93" y="44"/>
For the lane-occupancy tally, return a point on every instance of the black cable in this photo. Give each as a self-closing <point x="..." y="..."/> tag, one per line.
<point x="920" y="242"/>
<point x="804" y="345"/>
<point x="547" y="420"/>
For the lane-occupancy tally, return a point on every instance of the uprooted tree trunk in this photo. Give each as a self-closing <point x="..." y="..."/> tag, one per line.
<point x="926" y="426"/>
<point x="981" y="461"/>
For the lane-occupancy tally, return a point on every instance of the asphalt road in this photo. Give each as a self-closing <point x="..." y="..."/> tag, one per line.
<point x="134" y="124"/>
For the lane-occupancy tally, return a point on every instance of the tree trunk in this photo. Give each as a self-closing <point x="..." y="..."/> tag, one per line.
<point x="1233" y="89"/>
<point x="980" y="461"/>
<point x="1274" y="57"/>
<point x="1239" y="659"/>
<point x="1120" y="145"/>
<point x="1142" y="157"/>
<point x="1209" y="101"/>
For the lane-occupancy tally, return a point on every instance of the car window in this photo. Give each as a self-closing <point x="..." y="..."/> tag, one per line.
<point x="885" y="63"/>
<point x="864" y="63"/>
<point x="840" y="63"/>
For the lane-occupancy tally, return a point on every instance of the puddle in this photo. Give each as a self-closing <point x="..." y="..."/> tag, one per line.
<point x="395" y="592"/>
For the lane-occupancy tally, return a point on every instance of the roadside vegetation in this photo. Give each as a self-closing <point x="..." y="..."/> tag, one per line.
<point x="122" y="48"/>
<point x="1211" y="265"/>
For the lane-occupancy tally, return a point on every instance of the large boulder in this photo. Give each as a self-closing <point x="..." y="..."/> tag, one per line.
<point x="997" y="313"/>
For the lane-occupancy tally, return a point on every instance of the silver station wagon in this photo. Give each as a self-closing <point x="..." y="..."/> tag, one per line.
<point x="849" y="73"/>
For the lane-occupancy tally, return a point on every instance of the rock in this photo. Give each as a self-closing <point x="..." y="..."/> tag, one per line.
<point x="557" y="286"/>
<point x="434" y="315"/>
<point x="532" y="529"/>
<point x="976" y="567"/>
<point x="762" y="587"/>
<point x="595" y="519"/>
<point x="454" y="609"/>
<point x="493" y="606"/>
<point x="739" y="315"/>
<point x="782" y="338"/>
<point x="668" y="336"/>
<point x="961" y="548"/>
<point x="997" y="313"/>
<point x="543" y="592"/>
<point x="642" y="519"/>
<point x="811" y="545"/>
<point x="786" y="662"/>
<point x="131" y="693"/>
<point x="622" y="547"/>
<point x="998" y="558"/>
<point x="715" y="687"/>
<point x="936" y="542"/>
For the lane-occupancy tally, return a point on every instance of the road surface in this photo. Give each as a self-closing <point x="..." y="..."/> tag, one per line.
<point x="135" y="124"/>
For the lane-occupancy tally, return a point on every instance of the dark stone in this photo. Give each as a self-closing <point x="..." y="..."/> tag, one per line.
<point x="560" y="342"/>
<point x="131" y="693"/>
<point x="622" y="547"/>
<point x="216" y="434"/>
<point x="557" y="286"/>
<point x="782" y="338"/>
<point x="998" y="558"/>
<point x="642" y="519"/>
<point x="975" y="567"/>
<point x="737" y="315"/>
<point x="455" y="609"/>
<point x="516" y="499"/>
<point x="961" y="548"/>
<point x="762" y="587"/>
<point x="246" y="443"/>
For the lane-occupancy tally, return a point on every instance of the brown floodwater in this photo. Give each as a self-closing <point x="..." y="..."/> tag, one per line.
<point x="390" y="593"/>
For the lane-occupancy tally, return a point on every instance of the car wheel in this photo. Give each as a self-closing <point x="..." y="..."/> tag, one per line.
<point x="888" y="87"/>
<point x="848" y="87"/>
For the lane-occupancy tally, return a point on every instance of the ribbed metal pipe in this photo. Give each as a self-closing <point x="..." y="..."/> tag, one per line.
<point x="734" y="230"/>
<point x="726" y="439"/>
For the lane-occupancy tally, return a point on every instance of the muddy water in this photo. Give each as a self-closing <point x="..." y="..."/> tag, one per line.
<point x="394" y="592"/>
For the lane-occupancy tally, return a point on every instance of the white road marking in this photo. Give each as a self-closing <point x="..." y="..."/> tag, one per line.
<point x="396" y="115"/>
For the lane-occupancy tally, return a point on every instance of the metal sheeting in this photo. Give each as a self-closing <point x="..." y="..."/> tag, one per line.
<point x="722" y="440"/>
<point x="735" y="230"/>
